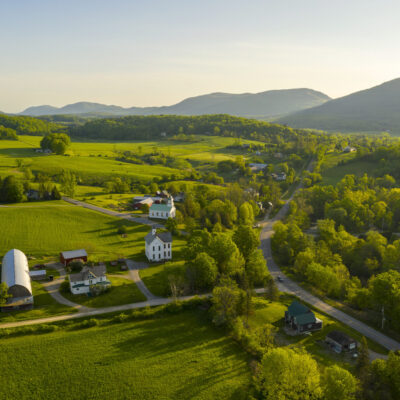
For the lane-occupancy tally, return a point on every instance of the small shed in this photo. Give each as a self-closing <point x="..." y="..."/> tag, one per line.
<point x="67" y="257"/>
<point x="340" y="342"/>
<point x="38" y="275"/>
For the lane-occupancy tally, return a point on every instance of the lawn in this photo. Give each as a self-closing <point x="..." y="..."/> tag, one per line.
<point x="156" y="277"/>
<point x="41" y="230"/>
<point x="44" y="306"/>
<point x="178" y="356"/>
<point x="122" y="291"/>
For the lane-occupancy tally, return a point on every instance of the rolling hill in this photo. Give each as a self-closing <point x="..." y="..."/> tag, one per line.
<point x="269" y="104"/>
<point x="374" y="109"/>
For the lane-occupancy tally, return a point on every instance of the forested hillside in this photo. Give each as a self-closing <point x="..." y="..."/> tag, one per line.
<point x="150" y="127"/>
<point x="28" y="125"/>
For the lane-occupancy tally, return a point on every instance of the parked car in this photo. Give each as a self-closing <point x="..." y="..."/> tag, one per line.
<point x="280" y="279"/>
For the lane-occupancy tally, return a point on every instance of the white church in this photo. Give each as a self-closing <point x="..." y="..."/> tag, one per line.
<point x="158" y="246"/>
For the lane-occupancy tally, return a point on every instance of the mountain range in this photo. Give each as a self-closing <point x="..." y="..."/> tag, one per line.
<point x="374" y="109"/>
<point x="269" y="104"/>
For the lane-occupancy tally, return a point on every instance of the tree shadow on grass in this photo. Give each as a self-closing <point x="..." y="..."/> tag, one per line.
<point x="207" y="357"/>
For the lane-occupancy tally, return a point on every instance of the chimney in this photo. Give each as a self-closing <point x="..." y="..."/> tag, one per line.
<point x="153" y="231"/>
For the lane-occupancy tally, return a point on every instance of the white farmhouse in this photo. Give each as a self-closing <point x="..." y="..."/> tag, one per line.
<point x="158" y="245"/>
<point x="163" y="211"/>
<point x="89" y="278"/>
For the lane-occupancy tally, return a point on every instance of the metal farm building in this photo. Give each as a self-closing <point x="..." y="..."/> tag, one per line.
<point x="15" y="274"/>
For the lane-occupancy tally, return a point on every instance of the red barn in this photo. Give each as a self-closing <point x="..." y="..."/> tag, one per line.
<point x="68" y="256"/>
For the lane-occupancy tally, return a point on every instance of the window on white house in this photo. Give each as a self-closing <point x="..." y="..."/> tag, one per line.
<point x="159" y="255"/>
<point x="154" y="256"/>
<point x="165" y="254"/>
<point x="169" y="254"/>
<point x="169" y="245"/>
<point x="154" y="248"/>
<point x="159" y="248"/>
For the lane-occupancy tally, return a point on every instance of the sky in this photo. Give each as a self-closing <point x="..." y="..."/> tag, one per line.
<point x="158" y="52"/>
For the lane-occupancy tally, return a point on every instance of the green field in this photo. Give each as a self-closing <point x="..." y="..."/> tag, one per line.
<point x="332" y="173"/>
<point x="98" y="159"/>
<point x="156" y="277"/>
<point x="122" y="291"/>
<point x="176" y="356"/>
<point x="45" y="229"/>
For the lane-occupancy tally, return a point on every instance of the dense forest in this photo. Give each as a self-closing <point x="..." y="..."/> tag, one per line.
<point x="29" y="125"/>
<point x="344" y="241"/>
<point x="150" y="127"/>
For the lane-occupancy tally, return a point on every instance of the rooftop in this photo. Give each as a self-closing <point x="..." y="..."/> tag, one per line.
<point x="74" y="254"/>
<point x="97" y="271"/>
<point x="165" y="237"/>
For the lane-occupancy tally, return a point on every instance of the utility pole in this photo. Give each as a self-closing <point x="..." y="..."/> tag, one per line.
<point x="383" y="317"/>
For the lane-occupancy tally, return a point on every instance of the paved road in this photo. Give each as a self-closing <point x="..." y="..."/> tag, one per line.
<point x="289" y="286"/>
<point x="134" y="268"/>
<point x="139" y="219"/>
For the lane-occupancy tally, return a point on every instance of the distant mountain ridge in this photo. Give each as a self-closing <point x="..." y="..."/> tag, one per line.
<point x="374" y="109"/>
<point x="268" y="104"/>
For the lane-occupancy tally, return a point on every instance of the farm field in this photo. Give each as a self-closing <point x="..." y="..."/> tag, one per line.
<point x="98" y="159"/>
<point x="332" y="173"/>
<point x="45" y="306"/>
<point x="176" y="356"/>
<point x="45" y="229"/>
<point x="122" y="291"/>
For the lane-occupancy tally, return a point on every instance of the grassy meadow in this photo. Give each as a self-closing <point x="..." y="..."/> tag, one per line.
<point x="175" y="356"/>
<point x="156" y="277"/>
<point x="332" y="172"/>
<point x="45" y="229"/>
<point x="98" y="159"/>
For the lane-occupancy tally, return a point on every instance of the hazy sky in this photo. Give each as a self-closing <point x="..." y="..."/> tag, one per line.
<point x="157" y="52"/>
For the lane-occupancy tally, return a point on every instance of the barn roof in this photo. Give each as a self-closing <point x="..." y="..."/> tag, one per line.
<point x="74" y="254"/>
<point x="15" y="271"/>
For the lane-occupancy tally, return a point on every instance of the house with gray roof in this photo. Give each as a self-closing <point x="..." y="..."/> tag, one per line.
<point x="158" y="246"/>
<point x="163" y="211"/>
<point x="90" y="279"/>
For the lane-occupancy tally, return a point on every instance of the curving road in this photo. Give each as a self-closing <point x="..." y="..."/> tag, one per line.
<point x="289" y="286"/>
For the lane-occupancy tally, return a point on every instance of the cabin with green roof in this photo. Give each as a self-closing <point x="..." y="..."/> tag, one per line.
<point x="300" y="318"/>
